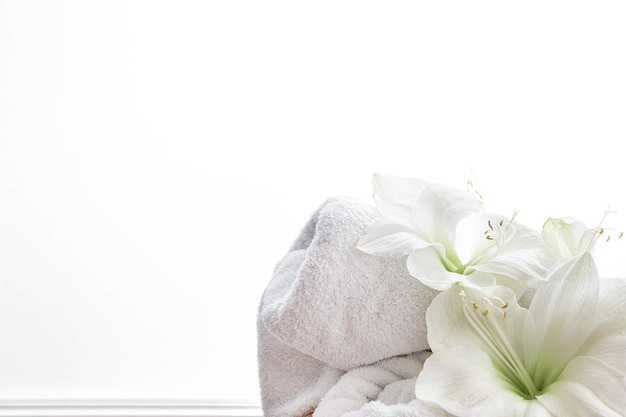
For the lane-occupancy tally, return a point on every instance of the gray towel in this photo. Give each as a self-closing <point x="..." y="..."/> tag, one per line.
<point x="330" y="308"/>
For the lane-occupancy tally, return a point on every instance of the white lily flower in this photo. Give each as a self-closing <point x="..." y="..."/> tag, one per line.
<point x="568" y="237"/>
<point x="564" y="356"/>
<point x="421" y="221"/>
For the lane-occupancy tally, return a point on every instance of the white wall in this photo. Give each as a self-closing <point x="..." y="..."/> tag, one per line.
<point x="158" y="158"/>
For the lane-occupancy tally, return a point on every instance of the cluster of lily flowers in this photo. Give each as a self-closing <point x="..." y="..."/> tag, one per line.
<point x="523" y="324"/>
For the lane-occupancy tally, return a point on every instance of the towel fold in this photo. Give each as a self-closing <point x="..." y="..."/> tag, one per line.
<point x="415" y="408"/>
<point x="386" y="388"/>
<point x="292" y="382"/>
<point x="330" y="308"/>
<point x="391" y="381"/>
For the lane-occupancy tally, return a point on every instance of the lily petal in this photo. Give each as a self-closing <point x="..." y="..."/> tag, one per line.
<point x="607" y="383"/>
<point x="572" y="399"/>
<point x="521" y="256"/>
<point x="438" y="210"/>
<point x="427" y="265"/>
<point x="609" y="349"/>
<point x="530" y="408"/>
<point x="464" y="382"/>
<point x="613" y="307"/>
<point x="393" y="194"/>
<point x="390" y="236"/>
<point x="560" y="317"/>
<point x="447" y="322"/>
<point x="608" y="338"/>
<point x="564" y="237"/>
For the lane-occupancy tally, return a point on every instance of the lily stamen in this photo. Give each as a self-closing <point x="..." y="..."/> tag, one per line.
<point x="608" y="232"/>
<point x="473" y="188"/>
<point x="602" y="231"/>
<point x="488" y="328"/>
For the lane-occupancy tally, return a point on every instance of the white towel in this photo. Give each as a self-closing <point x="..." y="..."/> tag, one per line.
<point x="292" y="382"/>
<point x="330" y="308"/>
<point x="386" y="388"/>
<point x="415" y="408"/>
<point x="383" y="389"/>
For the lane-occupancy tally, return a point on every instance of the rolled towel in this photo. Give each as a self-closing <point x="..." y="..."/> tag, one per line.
<point x="386" y="388"/>
<point x="292" y="382"/>
<point x="330" y="308"/>
<point x="415" y="408"/>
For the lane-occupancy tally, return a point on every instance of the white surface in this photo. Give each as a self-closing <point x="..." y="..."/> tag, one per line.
<point x="134" y="408"/>
<point x="158" y="158"/>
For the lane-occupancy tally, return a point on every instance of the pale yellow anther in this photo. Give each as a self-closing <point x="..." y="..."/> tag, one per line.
<point x="471" y="185"/>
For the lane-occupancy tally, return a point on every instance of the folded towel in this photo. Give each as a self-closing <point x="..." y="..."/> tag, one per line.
<point x="386" y="388"/>
<point x="292" y="382"/>
<point x="415" y="408"/>
<point x="330" y="308"/>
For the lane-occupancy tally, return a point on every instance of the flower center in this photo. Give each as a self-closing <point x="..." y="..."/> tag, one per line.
<point x="497" y="234"/>
<point x="488" y="319"/>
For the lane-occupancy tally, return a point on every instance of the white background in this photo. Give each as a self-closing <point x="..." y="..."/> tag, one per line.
<point x="158" y="158"/>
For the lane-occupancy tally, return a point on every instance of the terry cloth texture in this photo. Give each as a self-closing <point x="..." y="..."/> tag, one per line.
<point x="386" y="388"/>
<point x="330" y="308"/>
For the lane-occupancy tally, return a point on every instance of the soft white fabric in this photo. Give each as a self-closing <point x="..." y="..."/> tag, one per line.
<point x="415" y="408"/>
<point x="330" y="308"/>
<point x="386" y="388"/>
<point x="292" y="382"/>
